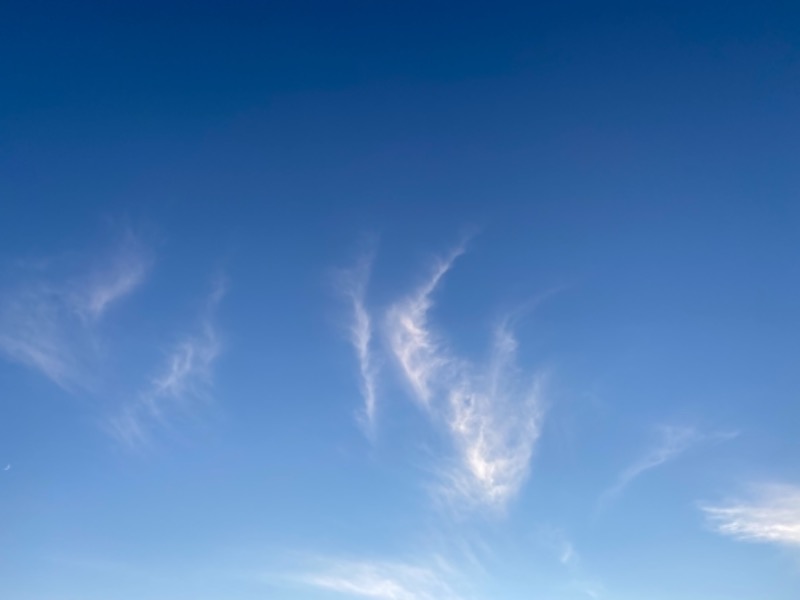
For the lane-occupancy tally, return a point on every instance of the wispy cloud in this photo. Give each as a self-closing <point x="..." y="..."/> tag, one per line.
<point x="122" y="273"/>
<point x="36" y="331"/>
<point x="383" y="580"/>
<point x="353" y="284"/>
<point x="185" y="379"/>
<point x="673" y="442"/>
<point x="770" y="515"/>
<point x="418" y="351"/>
<point x="579" y="581"/>
<point x="494" y="416"/>
<point x="491" y="412"/>
<point x="48" y="320"/>
<point x="567" y="555"/>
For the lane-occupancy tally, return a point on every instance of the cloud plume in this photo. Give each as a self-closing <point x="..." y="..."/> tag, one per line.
<point x="770" y="515"/>
<point x="495" y="419"/>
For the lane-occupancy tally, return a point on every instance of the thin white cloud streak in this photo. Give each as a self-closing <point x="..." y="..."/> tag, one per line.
<point x="381" y="580"/>
<point x="491" y="414"/>
<point x="126" y="271"/>
<point x="673" y="442"/>
<point x="414" y="345"/>
<point x="49" y="323"/>
<point x="771" y="515"/>
<point x="185" y="379"/>
<point x="353" y="283"/>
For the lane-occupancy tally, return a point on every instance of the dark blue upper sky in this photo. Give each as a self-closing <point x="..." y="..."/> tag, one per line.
<point x="356" y="114"/>
<point x="382" y="105"/>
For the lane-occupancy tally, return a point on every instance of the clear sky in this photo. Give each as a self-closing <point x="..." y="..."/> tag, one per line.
<point x="399" y="300"/>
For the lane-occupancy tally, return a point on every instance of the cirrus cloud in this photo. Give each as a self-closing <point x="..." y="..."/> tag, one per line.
<point x="770" y="515"/>
<point x="383" y="580"/>
<point x="185" y="379"/>
<point x="49" y="320"/>
<point x="492" y="412"/>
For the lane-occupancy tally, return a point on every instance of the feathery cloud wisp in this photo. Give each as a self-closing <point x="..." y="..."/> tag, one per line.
<point x="771" y="516"/>
<point x="414" y="345"/>
<point x="185" y="379"/>
<point x="673" y="442"/>
<point x="491" y="414"/>
<point x="48" y="321"/>
<point x="125" y="271"/>
<point x="35" y="331"/>
<point x="353" y="283"/>
<point x="382" y="580"/>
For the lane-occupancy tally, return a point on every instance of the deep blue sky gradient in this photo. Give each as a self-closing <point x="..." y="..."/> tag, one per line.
<point x="635" y="165"/>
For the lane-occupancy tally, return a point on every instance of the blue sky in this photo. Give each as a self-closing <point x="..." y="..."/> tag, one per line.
<point x="399" y="301"/>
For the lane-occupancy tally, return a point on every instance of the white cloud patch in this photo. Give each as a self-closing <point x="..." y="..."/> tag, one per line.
<point x="673" y="442"/>
<point x="383" y="580"/>
<point x="48" y="321"/>
<point x="185" y="379"/>
<point x="770" y="515"/>
<point x="491" y="412"/>
<point x="494" y="416"/>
